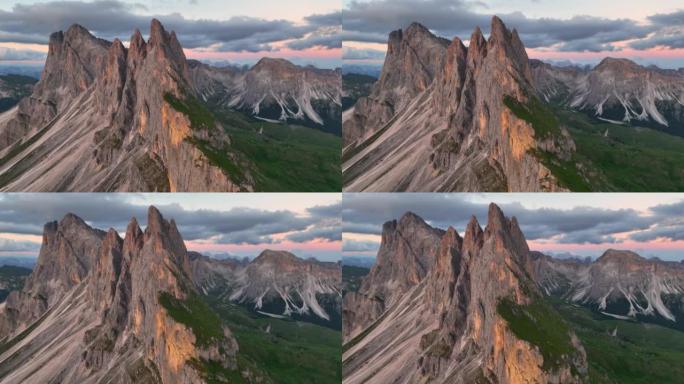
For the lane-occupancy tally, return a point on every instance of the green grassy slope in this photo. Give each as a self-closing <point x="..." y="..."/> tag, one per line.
<point x="289" y="352"/>
<point x="281" y="157"/>
<point x="639" y="353"/>
<point x="627" y="159"/>
<point x="285" y="157"/>
<point x="609" y="157"/>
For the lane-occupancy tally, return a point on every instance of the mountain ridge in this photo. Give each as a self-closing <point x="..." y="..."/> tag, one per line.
<point x="462" y="321"/>
<point x="457" y="122"/>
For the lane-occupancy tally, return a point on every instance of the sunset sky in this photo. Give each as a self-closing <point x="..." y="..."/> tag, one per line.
<point x="214" y="224"/>
<point x="579" y="224"/>
<point x="241" y="32"/>
<point x="581" y="31"/>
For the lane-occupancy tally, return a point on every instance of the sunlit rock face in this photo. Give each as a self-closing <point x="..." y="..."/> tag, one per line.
<point x="441" y="118"/>
<point x="92" y="310"/>
<point x="454" y="324"/>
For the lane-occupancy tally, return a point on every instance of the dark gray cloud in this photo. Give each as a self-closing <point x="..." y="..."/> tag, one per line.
<point x="326" y="38"/>
<point x="365" y="214"/>
<point x="109" y="19"/>
<point x="27" y="213"/>
<point x="372" y="21"/>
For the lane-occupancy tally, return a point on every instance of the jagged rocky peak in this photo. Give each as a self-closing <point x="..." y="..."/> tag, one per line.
<point x="453" y="325"/>
<point x="466" y="138"/>
<point x="117" y="322"/>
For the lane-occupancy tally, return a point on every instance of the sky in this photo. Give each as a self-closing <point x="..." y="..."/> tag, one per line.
<point x="579" y="31"/>
<point x="239" y="32"/>
<point x="238" y="225"/>
<point x="560" y="224"/>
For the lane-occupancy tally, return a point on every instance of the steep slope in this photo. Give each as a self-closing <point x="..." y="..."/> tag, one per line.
<point x="99" y="308"/>
<point x="620" y="284"/>
<point x="276" y="283"/>
<point x="275" y="90"/>
<point x="618" y="90"/>
<point x="443" y="117"/>
<point x="107" y="118"/>
<point x="475" y="317"/>
<point x="405" y="256"/>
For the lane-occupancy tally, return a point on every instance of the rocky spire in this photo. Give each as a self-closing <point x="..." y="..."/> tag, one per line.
<point x="451" y="321"/>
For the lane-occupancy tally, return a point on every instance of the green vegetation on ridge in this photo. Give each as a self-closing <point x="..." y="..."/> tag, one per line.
<point x="196" y="314"/>
<point x="280" y="157"/>
<point x="535" y="112"/>
<point x="289" y="352"/>
<point x="625" y="352"/>
<point x="539" y="324"/>
<point x="626" y="158"/>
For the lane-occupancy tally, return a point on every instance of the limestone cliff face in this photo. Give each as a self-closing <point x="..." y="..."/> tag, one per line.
<point x="405" y="256"/>
<point x="277" y="283"/>
<point x="437" y="119"/>
<point x="617" y="90"/>
<point x="451" y="327"/>
<point x="106" y="118"/>
<point x="619" y="283"/>
<point x="109" y="309"/>
<point x="275" y="90"/>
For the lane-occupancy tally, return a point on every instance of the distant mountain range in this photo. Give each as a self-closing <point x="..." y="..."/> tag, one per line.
<point x="446" y="117"/>
<point x="98" y="307"/>
<point x="483" y="308"/>
<point x="104" y="117"/>
<point x="617" y="90"/>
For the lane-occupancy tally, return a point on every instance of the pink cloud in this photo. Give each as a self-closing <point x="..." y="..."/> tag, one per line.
<point x="316" y="245"/>
<point x="285" y="53"/>
<point x="653" y="53"/>
<point x="661" y="245"/>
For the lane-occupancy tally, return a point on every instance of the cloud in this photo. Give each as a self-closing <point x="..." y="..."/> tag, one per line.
<point x="109" y="19"/>
<point x="349" y="53"/>
<point x="359" y="246"/>
<point x="365" y="214"/>
<point x="11" y="54"/>
<point x="325" y="37"/>
<point x="8" y="245"/>
<point x="371" y="21"/>
<point x="26" y="214"/>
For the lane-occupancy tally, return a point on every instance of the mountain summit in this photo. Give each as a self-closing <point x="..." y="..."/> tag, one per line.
<point x="104" y="117"/>
<point x="465" y="320"/>
<point x="445" y="117"/>
<point x="107" y="118"/>
<point x="99" y="308"/>
<point x="619" y="91"/>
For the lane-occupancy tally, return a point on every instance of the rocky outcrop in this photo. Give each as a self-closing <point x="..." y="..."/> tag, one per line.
<point x="276" y="283"/>
<point x="107" y="118"/>
<point x="620" y="284"/>
<point x="444" y="117"/>
<point x="462" y="322"/>
<point x="617" y="90"/>
<point x="275" y="90"/>
<point x="115" y="316"/>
